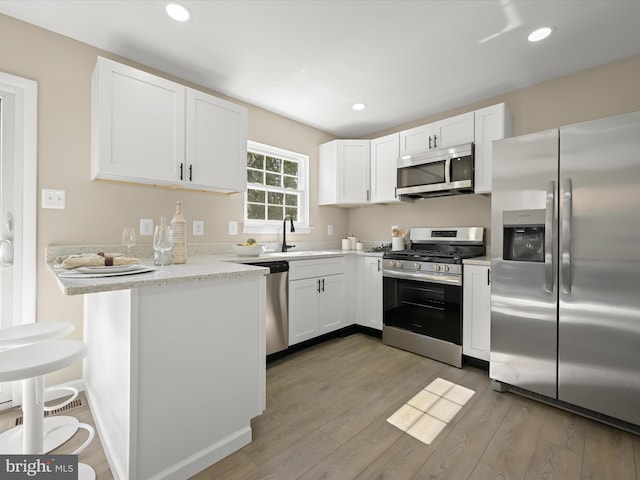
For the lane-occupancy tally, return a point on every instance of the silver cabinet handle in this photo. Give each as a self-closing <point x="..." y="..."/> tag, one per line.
<point x="6" y="253"/>
<point x="379" y="264"/>
<point x="548" y="236"/>
<point x="566" y="235"/>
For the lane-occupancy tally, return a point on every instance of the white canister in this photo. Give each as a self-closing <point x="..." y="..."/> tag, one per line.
<point x="359" y="246"/>
<point x="352" y="242"/>
<point x="397" y="243"/>
<point x="346" y="244"/>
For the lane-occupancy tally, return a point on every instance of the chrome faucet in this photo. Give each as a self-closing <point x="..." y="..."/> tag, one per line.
<point x="284" y="232"/>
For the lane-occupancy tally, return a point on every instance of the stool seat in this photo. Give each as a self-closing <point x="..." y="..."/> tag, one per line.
<point x="33" y="333"/>
<point x="40" y="358"/>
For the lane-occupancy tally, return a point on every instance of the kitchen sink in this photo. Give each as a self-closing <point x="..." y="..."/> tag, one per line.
<point x="306" y="253"/>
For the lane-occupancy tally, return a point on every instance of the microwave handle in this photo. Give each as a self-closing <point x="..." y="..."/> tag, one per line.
<point x="447" y="170"/>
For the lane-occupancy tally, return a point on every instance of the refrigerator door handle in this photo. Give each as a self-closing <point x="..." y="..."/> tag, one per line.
<point x="548" y="236"/>
<point x="566" y="235"/>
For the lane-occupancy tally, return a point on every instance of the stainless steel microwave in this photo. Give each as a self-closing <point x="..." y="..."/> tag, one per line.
<point x="447" y="171"/>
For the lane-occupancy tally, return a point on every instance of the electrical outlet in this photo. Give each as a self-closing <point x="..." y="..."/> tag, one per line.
<point x="54" y="199"/>
<point x="198" y="227"/>
<point x="233" y="228"/>
<point x="329" y="229"/>
<point x="146" y="226"/>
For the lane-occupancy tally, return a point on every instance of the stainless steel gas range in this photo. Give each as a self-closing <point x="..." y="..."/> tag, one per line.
<point x="422" y="291"/>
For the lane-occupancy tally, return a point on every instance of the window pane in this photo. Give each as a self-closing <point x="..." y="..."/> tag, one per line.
<point x="275" y="213"/>
<point x="290" y="182"/>
<point x="256" y="196"/>
<point x="255" y="211"/>
<point x="291" y="168"/>
<point x="255" y="160"/>
<point x="276" y="198"/>
<point x="255" y="176"/>
<point x="274" y="180"/>
<point x="293" y="211"/>
<point x="274" y="164"/>
<point x="291" y="200"/>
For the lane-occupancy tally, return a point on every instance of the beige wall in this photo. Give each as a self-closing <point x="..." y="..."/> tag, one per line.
<point x="97" y="211"/>
<point x="599" y="92"/>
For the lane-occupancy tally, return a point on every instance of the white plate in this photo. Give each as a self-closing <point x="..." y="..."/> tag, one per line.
<point x="111" y="269"/>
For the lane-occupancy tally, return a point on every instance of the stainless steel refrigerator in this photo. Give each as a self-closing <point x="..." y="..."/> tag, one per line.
<point x="565" y="247"/>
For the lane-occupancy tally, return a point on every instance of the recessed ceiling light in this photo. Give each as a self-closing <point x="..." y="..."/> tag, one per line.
<point x="540" y="34"/>
<point x="359" y="106"/>
<point x="178" y="12"/>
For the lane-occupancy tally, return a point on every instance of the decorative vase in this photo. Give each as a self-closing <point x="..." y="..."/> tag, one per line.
<point x="179" y="232"/>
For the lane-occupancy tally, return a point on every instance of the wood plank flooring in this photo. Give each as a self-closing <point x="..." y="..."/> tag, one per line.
<point x="326" y="419"/>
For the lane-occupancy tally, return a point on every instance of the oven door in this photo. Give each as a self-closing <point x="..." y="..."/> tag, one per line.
<point x="425" y="308"/>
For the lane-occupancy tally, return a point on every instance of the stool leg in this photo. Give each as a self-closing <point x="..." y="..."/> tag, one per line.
<point x="33" y="411"/>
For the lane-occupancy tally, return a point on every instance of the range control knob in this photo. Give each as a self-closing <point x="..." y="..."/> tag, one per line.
<point x="417" y="266"/>
<point x="436" y="267"/>
<point x="446" y="268"/>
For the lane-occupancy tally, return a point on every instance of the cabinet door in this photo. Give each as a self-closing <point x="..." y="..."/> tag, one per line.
<point x="353" y="172"/>
<point x="137" y="125"/>
<point x="216" y="143"/>
<point x="491" y="123"/>
<point x="384" y="160"/>
<point x="416" y="140"/>
<point x="453" y="131"/>
<point x="303" y="309"/>
<point x="476" y="313"/>
<point x="373" y="292"/>
<point x="331" y="303"/>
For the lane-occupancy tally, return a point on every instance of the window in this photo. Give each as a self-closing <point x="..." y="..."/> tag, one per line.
<point x="276" y="187"/>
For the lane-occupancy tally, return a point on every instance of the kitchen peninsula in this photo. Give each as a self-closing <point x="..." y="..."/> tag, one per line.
<point x="176" y="365"/>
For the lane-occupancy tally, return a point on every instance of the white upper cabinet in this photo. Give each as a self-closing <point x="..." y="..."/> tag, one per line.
<point x="491" y="123"/>
<point x="441" y="134"/>
<point x="216" y="143"/>
<point x="137" y="125"/>
<point x="343" y="177"/>
<point x="146" y="129"/>
<point x="384" y="159"/>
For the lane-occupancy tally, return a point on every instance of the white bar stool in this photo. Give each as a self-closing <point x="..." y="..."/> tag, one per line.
<point x="60" y="428"/>
<point x="30" y="363"/>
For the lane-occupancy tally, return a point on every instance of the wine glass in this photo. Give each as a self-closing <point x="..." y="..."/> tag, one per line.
<point x="128" y="239"/>
<point x="162" y="243"/>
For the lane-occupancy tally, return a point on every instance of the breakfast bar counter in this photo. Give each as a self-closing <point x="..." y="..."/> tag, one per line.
<point x="176" y="365"/>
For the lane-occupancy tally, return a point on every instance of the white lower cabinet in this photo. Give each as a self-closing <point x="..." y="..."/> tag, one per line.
<point x="316" y="298"/>
<point x="372" y="311"/>
<point x="476" y="314"/>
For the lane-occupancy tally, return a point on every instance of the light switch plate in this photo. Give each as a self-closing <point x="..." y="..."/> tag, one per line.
<point x="329" y="229"/>
<point x="198" y="227"/>
<point x="54" y="199"/>
<point x="146" y="226"/>
<point x="233" y="228"/>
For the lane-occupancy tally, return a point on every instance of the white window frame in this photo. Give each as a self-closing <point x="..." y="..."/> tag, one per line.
<point x="275" y="226"/>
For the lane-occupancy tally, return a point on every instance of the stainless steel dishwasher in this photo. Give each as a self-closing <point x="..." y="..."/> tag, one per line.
<point x="277" y="317"/>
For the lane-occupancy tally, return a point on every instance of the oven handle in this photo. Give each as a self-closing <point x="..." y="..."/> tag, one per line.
<point x="422" y="277"/>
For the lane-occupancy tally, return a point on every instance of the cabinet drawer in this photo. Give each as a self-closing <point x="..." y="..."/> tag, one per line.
<point x="320" y="267"/>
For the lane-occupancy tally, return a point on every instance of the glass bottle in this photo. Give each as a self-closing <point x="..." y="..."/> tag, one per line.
<point x="162" y="257"/>
<point x="179" y="232"/>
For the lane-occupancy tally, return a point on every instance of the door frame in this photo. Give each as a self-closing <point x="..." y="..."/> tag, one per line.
<point x="25" y="99"/>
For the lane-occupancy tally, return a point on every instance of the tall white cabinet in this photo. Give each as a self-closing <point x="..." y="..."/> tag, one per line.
<point x="147" y="129"/>
<point x="491" y="123"/>
<point x="476" y="311"/>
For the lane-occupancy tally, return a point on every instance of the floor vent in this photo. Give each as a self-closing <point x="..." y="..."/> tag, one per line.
<point x="75" y="404"/>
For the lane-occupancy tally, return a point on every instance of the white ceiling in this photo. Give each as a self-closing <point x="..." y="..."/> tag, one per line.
<point x="310" y="60"/>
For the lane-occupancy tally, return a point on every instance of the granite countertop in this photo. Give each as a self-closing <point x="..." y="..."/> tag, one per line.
<point x="199" y="267"/>
<point x="481" y="261"/>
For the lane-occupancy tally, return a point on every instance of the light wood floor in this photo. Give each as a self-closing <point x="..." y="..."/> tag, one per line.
<point x="326" y="419"/>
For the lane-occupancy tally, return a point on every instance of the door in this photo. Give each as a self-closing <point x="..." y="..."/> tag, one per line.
<point x="303" y="309"/>
<point x="599" y="311"/>
<point x="453" y="131"/>
<point x="331" y="303"/>
<point x="523" y="290"/>
<point x="353" y="171"/>
<point x="216" y="142"/>
<point x="384" y="159"/>
<point x="373" y="292"/>
<point x="18" y="166"/>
